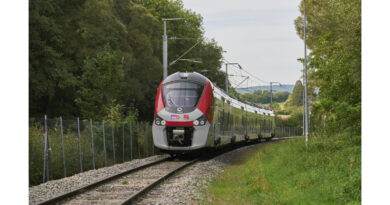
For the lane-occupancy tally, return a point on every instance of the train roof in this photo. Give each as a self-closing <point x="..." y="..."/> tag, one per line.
<point x="219" y="93"/>
<point x="194" y="76"/>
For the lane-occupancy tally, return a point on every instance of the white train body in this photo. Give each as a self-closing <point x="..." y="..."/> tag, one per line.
<point x="191" y="113"/>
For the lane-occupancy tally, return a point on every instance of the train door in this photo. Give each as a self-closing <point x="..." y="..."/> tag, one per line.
<point x="223" y="124"/>
<point x="242" y="125"/>
<point x="229" y="119"/>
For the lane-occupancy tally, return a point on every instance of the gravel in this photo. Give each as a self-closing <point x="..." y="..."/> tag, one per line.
<point x="52" y="188"/>
<point x="186" y="187"/>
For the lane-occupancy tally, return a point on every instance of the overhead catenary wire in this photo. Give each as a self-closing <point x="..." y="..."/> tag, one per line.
<point x="242" y="69"/>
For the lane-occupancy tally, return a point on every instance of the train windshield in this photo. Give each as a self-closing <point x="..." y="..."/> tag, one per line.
<point x="182" y="94"/>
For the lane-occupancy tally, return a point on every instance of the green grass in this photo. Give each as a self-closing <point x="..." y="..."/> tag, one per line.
<point x="125" y="182"/>
<point x="328" y="171"/>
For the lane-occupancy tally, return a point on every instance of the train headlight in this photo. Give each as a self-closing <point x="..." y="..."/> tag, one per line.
<point x="200" y="121"/>
<point x="196" y="122"/>
<point x="159" y="121"/>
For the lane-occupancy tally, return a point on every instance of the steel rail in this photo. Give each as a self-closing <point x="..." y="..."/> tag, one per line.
<point x="132" y="199"/>
<point x="141" y="192"/>
<point x="87" y="187"/>
<point x="144" y="190"/>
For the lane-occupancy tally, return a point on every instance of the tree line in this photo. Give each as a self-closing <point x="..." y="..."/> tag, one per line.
<point x="264" y="96"/>
<point x="103" y="59"/>
<point x="334" y="63"/>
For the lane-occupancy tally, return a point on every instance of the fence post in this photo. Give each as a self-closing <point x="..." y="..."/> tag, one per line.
<point x="123" y="142"/>
<point x="62" y="144"/>
<point x="104" y="146"/>
<point x="146" y="140"/>
<point x="113" y="141"/>
<point x="81" y="154"/>
<point x="93" y="149"/>
<point x="151" y="127"/>
<point x="139" y="151"/>
<point x="131" y="142"/>
<point x="49" y="165"/>
<point x="45" y="153"/>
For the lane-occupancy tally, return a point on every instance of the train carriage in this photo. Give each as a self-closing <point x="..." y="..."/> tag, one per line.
<point x="191" y="113"/>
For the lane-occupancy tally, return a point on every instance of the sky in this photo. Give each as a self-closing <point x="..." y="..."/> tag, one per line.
<point x="258" y="34"/>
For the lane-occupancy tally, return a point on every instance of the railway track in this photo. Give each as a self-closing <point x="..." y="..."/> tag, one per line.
<point x="124" y="187"/>
<point x="128" y="186"/>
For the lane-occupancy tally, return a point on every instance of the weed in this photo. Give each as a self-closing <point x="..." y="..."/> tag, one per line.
<point x="125" y="182"/>
<point x="327" y="171"/>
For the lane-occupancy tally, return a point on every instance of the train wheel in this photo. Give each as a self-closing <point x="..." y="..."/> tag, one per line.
<point x="259" y="138"/>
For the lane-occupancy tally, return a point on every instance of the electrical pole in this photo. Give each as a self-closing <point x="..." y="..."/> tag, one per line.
<point x="165" y="51"/>
<point x="165" y="45"/>
<point x="227" y="76"/>
<point x="226" y="80"/>
<point x="303" y="105"/>
<point x="270" y="90"/>
<point x="305" y="64"/>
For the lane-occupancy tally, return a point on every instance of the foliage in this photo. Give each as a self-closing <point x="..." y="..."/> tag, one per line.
<point x="297" y="95"/>
<point x="101" y="84"/>
<point x="86" y="54"/>
<point x="264" y="97"/>
<point x="334" y="38"/>
<point x="292" y="120"/>
<point x="327" y="171"/>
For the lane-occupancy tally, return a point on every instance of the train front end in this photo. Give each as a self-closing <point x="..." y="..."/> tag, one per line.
<point x="183" y="113"/>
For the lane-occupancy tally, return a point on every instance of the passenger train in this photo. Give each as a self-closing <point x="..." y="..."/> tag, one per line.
<point x="191" y="114"/>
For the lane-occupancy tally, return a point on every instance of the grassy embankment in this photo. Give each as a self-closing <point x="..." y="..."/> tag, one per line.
<point x="328" y="171"/>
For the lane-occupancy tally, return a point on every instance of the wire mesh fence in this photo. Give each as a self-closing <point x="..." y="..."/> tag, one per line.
<point x="62" y="147"/>
<point x="288" y="131"/>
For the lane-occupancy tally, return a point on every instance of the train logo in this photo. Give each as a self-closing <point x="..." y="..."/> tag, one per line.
<point x="175" y="117"/>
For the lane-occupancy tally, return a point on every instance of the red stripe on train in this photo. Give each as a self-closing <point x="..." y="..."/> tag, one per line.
<point x="159" y="103"/>
<point x="206" y="103"/>
<point x="179" y="124"/>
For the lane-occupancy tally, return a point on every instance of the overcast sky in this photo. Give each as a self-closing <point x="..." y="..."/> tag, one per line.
<point x="258" y="34"/>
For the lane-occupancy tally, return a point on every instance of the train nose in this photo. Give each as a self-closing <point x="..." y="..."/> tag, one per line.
<point x="178" y="132"/>
<point x="179" y="136"/>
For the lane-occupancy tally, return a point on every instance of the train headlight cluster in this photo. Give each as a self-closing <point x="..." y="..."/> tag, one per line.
<point x="196" y="122"/>
<point x="159" y="121"/>
<point x="200" y="121"/>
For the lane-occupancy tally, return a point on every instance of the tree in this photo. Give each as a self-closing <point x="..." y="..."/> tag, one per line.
<point x="101" y="84"/>
<point x="106" y="55"/>
<point x="52" y="83"/>
<point x="297" y="95"/>
<point x="334" y="38"/>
